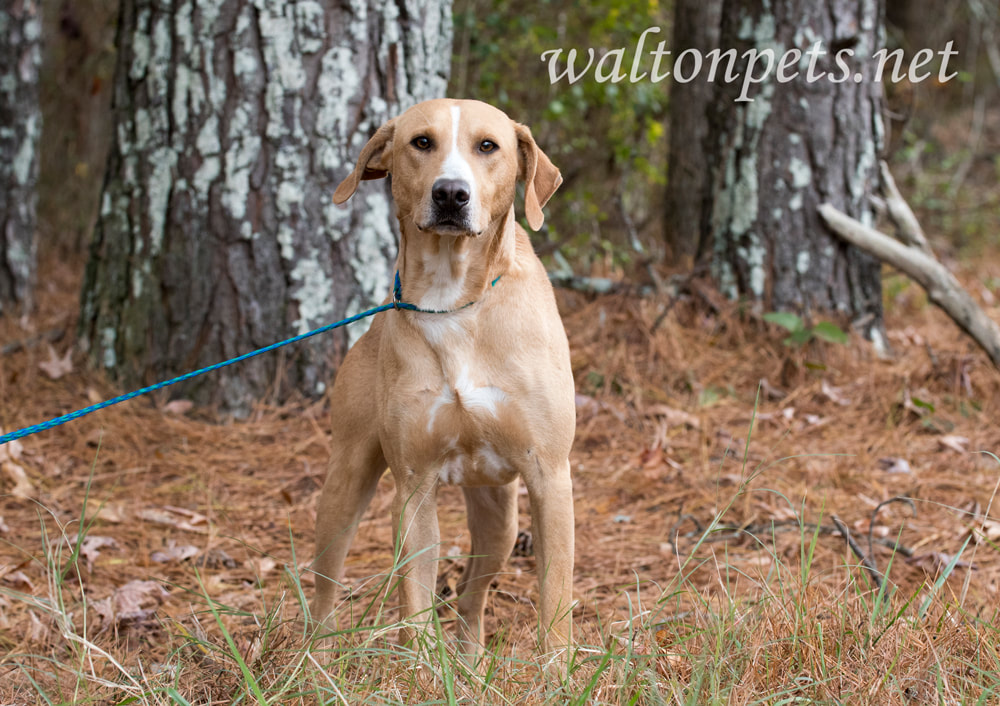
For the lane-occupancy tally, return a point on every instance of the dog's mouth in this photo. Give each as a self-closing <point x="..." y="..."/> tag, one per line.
<point x="448" y="226"/>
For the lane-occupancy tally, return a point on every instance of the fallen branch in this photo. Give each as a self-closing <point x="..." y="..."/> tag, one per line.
<point x="907" y="226"/>
<point x="597" y="285"/>
<point x="587" y="285"/>
<point x="917" y="263"/>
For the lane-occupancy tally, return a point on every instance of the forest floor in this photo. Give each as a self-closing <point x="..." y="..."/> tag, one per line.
<point x="710" y="462"/>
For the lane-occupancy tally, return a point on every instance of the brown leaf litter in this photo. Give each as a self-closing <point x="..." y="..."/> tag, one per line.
<point x="676" y="423"/>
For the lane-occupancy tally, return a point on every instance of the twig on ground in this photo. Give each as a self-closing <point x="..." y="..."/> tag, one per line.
<point x="53" y="335"/>
<point x="675" y="530"/>
<point x="725" y="533"/>
<point x="866" y="561"/>
<point x="683" y="284"/>
<point x="871" y="522"/>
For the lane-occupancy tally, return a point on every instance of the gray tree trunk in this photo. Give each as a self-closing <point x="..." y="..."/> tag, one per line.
<point x="20" y="125"/>
<point x="798" y="144"/>
<point x="696" y="28"/>
<point x="234" y="122"/>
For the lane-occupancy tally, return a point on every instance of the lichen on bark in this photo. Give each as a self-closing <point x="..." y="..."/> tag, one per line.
<point x="20" y="127"/>
<point x="795" y="145"/>
<point x="235" y="120"/>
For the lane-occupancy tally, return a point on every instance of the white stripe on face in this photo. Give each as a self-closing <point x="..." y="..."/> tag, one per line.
<point x="455" y="166"/>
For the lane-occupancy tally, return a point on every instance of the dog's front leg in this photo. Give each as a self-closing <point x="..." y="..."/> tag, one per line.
<point x="550" y="491"/>
<point x="347" y="492"/>
<point x="417" y="546"/>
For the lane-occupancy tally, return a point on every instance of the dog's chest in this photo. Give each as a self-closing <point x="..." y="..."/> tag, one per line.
<point x="464" y="423"/>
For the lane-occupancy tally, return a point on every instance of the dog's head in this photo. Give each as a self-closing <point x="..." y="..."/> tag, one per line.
<point x="454" y="165"/>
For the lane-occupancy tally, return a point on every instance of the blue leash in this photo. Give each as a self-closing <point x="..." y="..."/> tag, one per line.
<point x="396" y="303"/>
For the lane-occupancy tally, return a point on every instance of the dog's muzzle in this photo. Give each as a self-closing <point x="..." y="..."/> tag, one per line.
<point x="451" y="199"/>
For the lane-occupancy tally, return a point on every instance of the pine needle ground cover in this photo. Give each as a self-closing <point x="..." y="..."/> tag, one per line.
<point x="153" y="553"/>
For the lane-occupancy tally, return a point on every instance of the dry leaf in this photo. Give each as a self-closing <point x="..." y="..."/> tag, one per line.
<point x="39" y="631"/>
<point x="814" y="420"/>
<point x="55" y="367"/>
<point x="23" y="487"/>
<point x="934" y="562"/>
<point x="4" y="528"/>
<point x="785" y="415"/>
<point x="178" y="407"/>
<point x="216" y="558"/>
<point x="265" y="564"/>
<point x="893" y="464"/>
<point x="911" y="336"/>
<point x="91" y="546"/>
<point x="587" y="407"/>
<point x="95" y="438"/>
<point x="834" y="394"/>
<point x="986" y="529"/>
<point x="770" y="391"/>
<point x="954" y="442"/>
<point x="174" y="553"/>
<point x="133" y="602"/>
<point x="176" y="517"/>
<point x="673" y="417"/>
<point x="112" y="513"/>
<point x="19" y="580"/>
<point x="11" y="451"/>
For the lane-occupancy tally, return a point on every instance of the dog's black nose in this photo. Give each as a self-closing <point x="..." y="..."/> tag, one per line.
<point x="451" y="194"/>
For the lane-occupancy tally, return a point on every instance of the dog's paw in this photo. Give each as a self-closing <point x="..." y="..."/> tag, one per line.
<point x="524" y="545"/>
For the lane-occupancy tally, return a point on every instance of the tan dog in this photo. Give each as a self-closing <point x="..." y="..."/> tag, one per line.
<point x="477" y="396"/>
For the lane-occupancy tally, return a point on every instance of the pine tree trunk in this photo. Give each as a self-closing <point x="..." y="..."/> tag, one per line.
<point x="796" y="145"/>
<point x="20" y="125"/>
<point x="234" y="122"/>
<point x="696" y="29"/>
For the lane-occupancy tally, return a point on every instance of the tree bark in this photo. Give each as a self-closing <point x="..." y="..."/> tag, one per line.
<point x="696" y="28"/>
<point x="795" y="145"/>
<point x="234" y="122"/>
<point x="20" y="125"/>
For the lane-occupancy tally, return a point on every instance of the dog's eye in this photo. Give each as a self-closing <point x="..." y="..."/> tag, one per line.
<point x="421" y="143"/>
<point x="487" y="146"/>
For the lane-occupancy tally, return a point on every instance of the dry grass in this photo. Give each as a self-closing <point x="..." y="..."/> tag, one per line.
<point x="708" y="567"/>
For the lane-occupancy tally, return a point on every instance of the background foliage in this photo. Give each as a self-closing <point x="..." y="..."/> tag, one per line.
<point x="609" y="139"/>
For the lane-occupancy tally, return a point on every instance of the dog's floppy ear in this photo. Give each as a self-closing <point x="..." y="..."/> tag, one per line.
<point x="541" y="177"/>
<point x="374" y="162"/>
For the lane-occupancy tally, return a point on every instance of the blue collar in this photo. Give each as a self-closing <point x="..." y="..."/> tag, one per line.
<point x="398" y="303"/>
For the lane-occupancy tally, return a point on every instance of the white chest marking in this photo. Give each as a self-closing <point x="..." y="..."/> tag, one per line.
<point x="484" y="399"/>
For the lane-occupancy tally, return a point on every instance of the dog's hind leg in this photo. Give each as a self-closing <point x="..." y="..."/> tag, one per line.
<point x="492" y="517"/>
